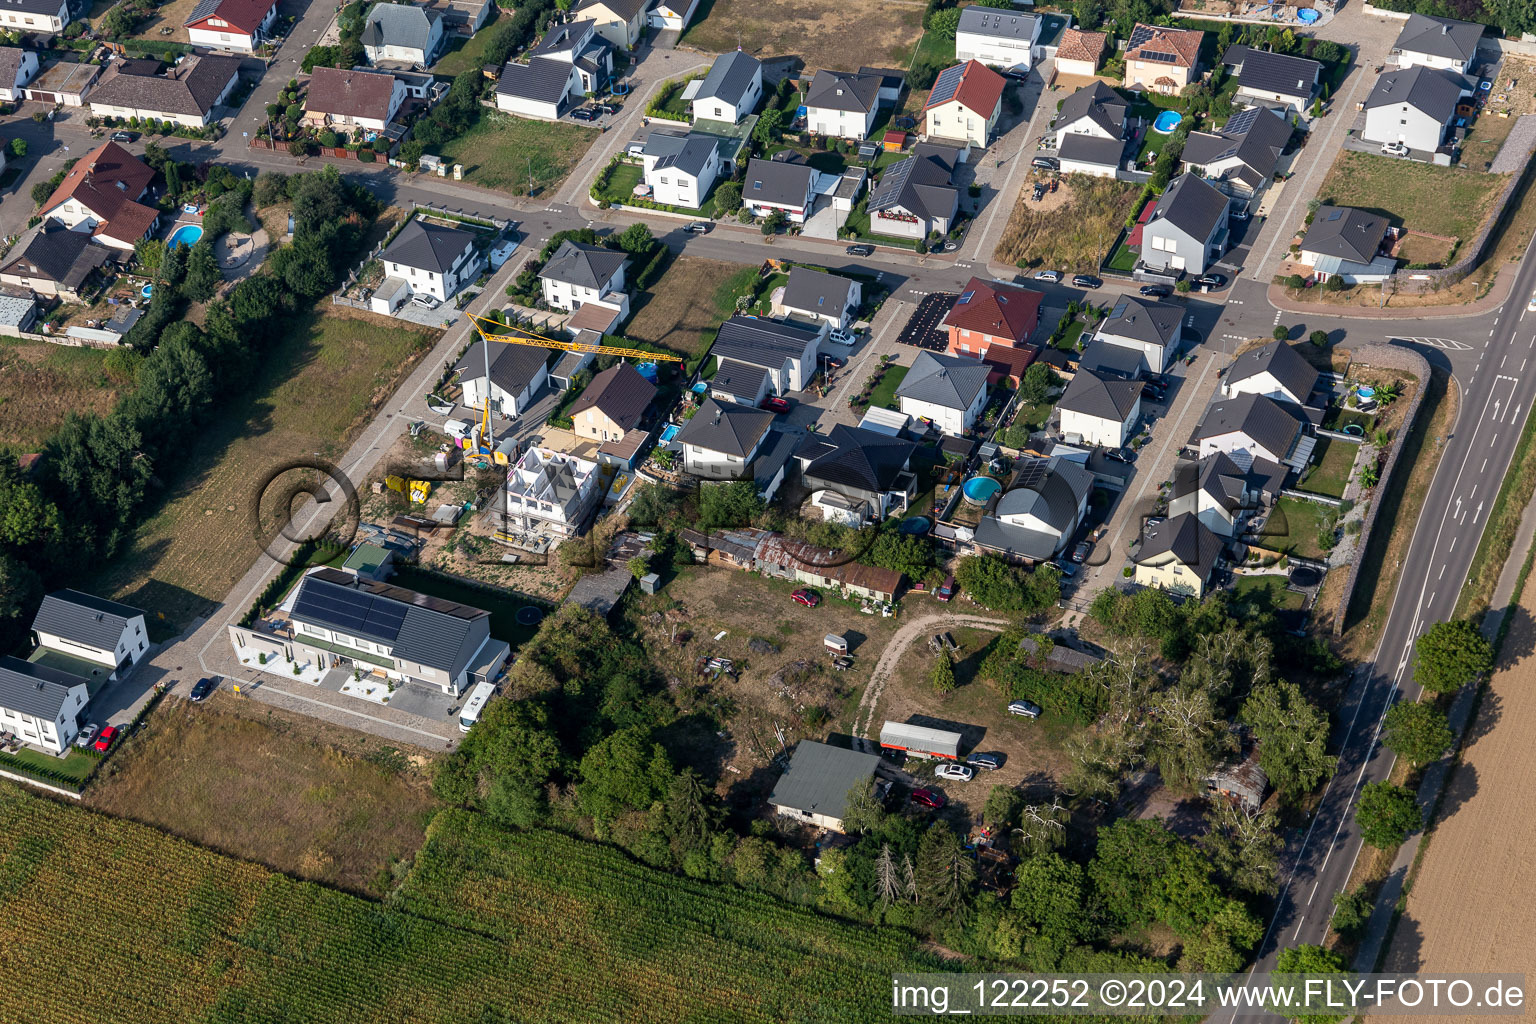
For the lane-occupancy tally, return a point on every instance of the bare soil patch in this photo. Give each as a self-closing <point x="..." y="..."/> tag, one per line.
<point x="842" y="36"/>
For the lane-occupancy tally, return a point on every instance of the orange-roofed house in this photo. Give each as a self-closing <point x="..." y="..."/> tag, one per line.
<point x="237" y="25"/>
<point x="965" y="103"/>
<point x="101" y="194"/>
<point x="989" y="315"/>
<point x="1162" y="59"/>
<point x="1080" y="53"/>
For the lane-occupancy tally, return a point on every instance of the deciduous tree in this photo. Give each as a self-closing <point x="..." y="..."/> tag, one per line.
<point x="1416" y="731"/>
<point x="1448" y="655"/>
<point x="1387" y="814"/>
<point x="1292" y="735"/>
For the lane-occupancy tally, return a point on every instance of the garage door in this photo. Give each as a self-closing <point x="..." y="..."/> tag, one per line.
<point x="43" y="97"/>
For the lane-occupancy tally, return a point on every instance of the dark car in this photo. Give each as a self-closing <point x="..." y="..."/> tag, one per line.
<point x="1081" y="552"/>
<point x="1124" y="455"/>
<point x="1152" y="393"/>
<point x="122" y="136"/>
<point x="583" y="114"/>
<point x="1211" y="281"/>
<point x="698" y="227"/>
<point x="1156" y="291"/>
<point x="1047" y="163"/>
<point x="1157" y="380"/>
<point x="1084" y="281"/>
<point x="859" y="250"/>
<point x="202" y="688"/>
<point x="930" y="798"/>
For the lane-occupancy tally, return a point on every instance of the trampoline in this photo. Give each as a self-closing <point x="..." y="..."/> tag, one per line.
<point x="528" y="615"/>
<point x="1354" y="430"/>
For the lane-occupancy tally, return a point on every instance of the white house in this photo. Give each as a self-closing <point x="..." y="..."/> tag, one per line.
<point x="403" y="34"/>
<point x="816" y="295"/>
<point x="92" y="629"/>
<point x="349" y="98"/>
<point x="680" y="169"/>
<point x="1079" y="53"/>
<point x="40" y="704"/>
<point x="785" y="351"/>
<point x="670" y="14"/>
<point x="17" y="68"/>
<point x="551" y="491"/>
<point x="1431" y="42"/>
<point x="1414" y="107"/>
<point x="721" y="440"/>
<point x="1100" y="410"/>
<point x="1253" y="427"/>
<point x="540" y="88"/>
<point x="518" y="373"/>
<point x="1265" y="77"/>
<point x="1040" y="512"/>
<point x="1274" y="370"/>
<point x="1162" y="59"/>
<point x="949" y="390"/>
<point x="1002" y="39"/>
<point x="815" y="785"/>
<point x="1095" y="110"/>
<point x="100" y="195"/>
<point x="185" y="94"/>
<point x="43" y="17"/>
<point x="1220" y="494"/>
<point x="434" y="260"/>
<point x="579" y="273"/>
<point x="731" y="90"/>
<point x="965" y="103"/>
<point x="1188" y="229"/>
<point x="621" y="22"/>
<point x="779" y="185"/>
<point x="1153" y="329"/>
<point x="1348" y="242"/>
<point x="1241" y="158"/>
<point x="1178" y="555"/>
<point x="842" y="105"/>
<point x="239" y="25"/>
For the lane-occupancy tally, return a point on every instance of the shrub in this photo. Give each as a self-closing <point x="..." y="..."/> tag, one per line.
<point x="1280" y="333"/>
<point x="1319" y="338"/>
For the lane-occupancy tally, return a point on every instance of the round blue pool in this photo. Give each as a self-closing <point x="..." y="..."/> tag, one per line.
<point x="147" y="290"/>
<point x="187" y="234"/>
<point x="1167" y="121"/>
<point x="915" y="526"/>
<point x="1365" y="392"/>
<point x="1307" y="16"/>
<point x="648" y="371"/>
<point x="978" y="490"/>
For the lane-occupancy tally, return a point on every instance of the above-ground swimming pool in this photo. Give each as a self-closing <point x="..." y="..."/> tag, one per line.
<point x="147" y="291"/>
<point x="1365" y="392"/>
<point x="648" y="371"/>
<point x="915" y="526"/>
<point x="1167" y="121"/>
<point x="186" y="234"/>
<point x="978" y="490"/>
<point x="671" y="432"/>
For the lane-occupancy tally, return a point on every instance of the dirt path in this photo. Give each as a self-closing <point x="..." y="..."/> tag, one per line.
<point x="863" y="718"/>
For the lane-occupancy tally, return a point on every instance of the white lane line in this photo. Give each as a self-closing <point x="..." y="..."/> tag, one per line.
<point x="1485" y="467"/>
<point x="1313" y="895"/>
<point x="1452" y="547"/>
<point x="1442" y="574"/>
<point x="1298" y="927"/>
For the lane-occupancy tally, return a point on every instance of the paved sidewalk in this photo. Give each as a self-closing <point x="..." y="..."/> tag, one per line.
<point x="1009" y="154"/>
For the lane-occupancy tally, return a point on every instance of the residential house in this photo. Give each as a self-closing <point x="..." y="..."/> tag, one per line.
<point x="842" y="105"/>
<point x="1178" y="555"/>
<point x="774" y="462"/>
<point x="541" y="88"/>
<point x="1009" y="363"/>
<point x="52" y="261"/>
<point x="815" y="295"/>
<point x="17" y="68"/>
<point x="1039" y="514"/>
<point x="517" y="374"/>
<point x="1089" y="154"/>
<point x="965" y="103"/>
<point x="989" y="316"/>
<point x="1348" y="242"/>
<point x="1080" y="53"/>
<point x="1100" y="409"/>
<point x="1188" y="229"/>
<point x="238" y="25"/>
<point x="92" y="629"/>
<point x="892" y="82"/>
<point x="1000" y="38"/>
<point x="621" y="22"/>
<point x="579" y="273"/>
<point x="731" y="90"/>
<point x="63" y="84"/>
<point x="680" y="169"/>
<point x="779" y="185"/>
<point x="100" y="196"/>
<point x="353" y="99"/>
<point x="578" y="43"/>
<point x="1106" y="360"/>
<point x="743" y="383"/>
<point x="721" y="439"/>
<point x="914" y="199"/>
<point x="343" y="621"/>
<point x="1274" y="370"/>
<point x="1162" y="59"/>
<point x="434" y="260"/>
<point x="463" y="17"/>
<point x="611" y="407"/>
<point x="856" y="475"/>
<point x="1264" y="77"/>
<point x="552" y="492"/>
<point x="35" y="17"/>
<point x="18" y="316"/>
<point x="1241" y="158"/>
<point x="948" y="390"/>
<point x="403" y="34"/>
<point x="1219" y="493"/>
<point x="185" y="94"/>
<point x="785" y="350"/>
<point x="1414" y="107"/>
<point x="674" y="15"/>
<point x="1152" y="329"/>
<point x="1442" y="43"/>
<point x="815" y="785"/>
<point x="1253" y="427"/>
<point x="41" y="705"/>
<point x="1090" y="131"/>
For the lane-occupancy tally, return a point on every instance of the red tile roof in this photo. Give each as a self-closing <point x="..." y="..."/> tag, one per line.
<point x="1079" y="45"/>
<point x="245" y="15"/>
<point x="1133" y="240"/>
<point x="108" y="181"/>
<point x="1002" y="311"/>
<point x="1009" y="361"/>
<point x="1155" y="41"/>
<point x="980" y="89"/>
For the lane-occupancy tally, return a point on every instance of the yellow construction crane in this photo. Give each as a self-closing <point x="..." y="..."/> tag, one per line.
<point x="518" y="336"/>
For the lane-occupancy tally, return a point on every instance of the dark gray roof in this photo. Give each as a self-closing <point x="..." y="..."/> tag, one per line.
<point x="729" y="77"/>
<point x="1097" y="102"/>
<point x="561" y="38"/>
<point x="620" y="393"/>
<point x="776" y="181"/>
<point x="1092" y="149"/>
<point x="919" y="185"/>
<point x="1273" y="72"/>
<point x="739" y="380"/>
<point x="1158" y="323"/>
<point x="46" y="7"/>
<point x="426" y="630"/>
<point x="1216" y="475"/>
<point x="1345" y="232"/>
<point x="399" y="25"/>
<point x="10" y="65"/>
<point x="84" y="618"/>
<point x="691" y="157"/>
<point x="1113" y="360"/>
<point x="951" y="382"/>
<point x="947" y="157"/>
<point x="1187" y="538"/>
<point x="543" y="79"/>
<point x="1051" y="490"/>
<point x="1439" y="37"/>
<point x="816" y="291"/>
<point x="729" y="428"/>
<point x="1431" y="90"/>
<point x="1269" y="423"/>
<point x="54" y="253"/>
<point x="1194" y="206"/>
<point x="854" y="457"/>
<point x="587" y="266"/>
<point x="840" y="90"/>
<point x="190" y="87"/>
<point x="33" y="689"/>
<point x="1256" y="136"/>
<point x="1093" y="395"/>
<point x="513" y="367"/>
<point x="1280" y="360"/>
<point x="819" y="777"/>
<point x="763" y="341"/>
<point x="890" y="78"/>
<point x="998" y="24"/>
<point x="778" y="448"/>
<point x="426" y="246"/>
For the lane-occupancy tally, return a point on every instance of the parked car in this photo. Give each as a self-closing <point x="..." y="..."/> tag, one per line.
<point x="423" y="300"/>
<point x="842" y="336"/>
<point x="773" y="403"/>
<point x="202" y="688"/>
<point x="1124" y="455"/>
<point x="1152" y="393"/>
<point x="1046" y="163"/>
<point x="859" y="250"/>
<point x="1394" y="149"/>
<point x="1211" y="281"/>
<point x="1240" y="214"/>
<point x="946" y="589"/>
<point x="986" y="760"/>
<point x="1156" y="291"/>
<point x="1024" y="708"/>
<point x="929" y="798"/>
<point x="87" y="734"/>
<point x="1048" y="275"/>
<point x="104" y="740"/>
<point x="807" y="597"/>
<point x="1085" y="281"/>
<point x="123" y="136"/>
<point x="956" y="772"/>
<point x="697" y="227"/>
<point x="1065" y="567"/>
<point x="1081" y="552"/>
<point x="635" y="149"/>
<point x="583" y="114"/>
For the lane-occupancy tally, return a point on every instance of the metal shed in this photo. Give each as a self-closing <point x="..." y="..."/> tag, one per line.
<point x="919" y="740"/>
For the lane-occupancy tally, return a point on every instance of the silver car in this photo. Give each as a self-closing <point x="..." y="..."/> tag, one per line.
<point x="1024" y="708"/>
<point x="955" y="772"/>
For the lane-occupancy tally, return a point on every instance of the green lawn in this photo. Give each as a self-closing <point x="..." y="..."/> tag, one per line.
<point x="1446" y="201"/>
<point x="884" y="394"/>
<point x="505" y="152"/>
<point x="467" y="56"/>
<point x="1123" y="259"/>
<point x="1070" y="337"/>
<point x="75" y="765"/>
<point x="1293" y="527"/>
<point x="1339" y="417"/>
<point x="621" y="189"/>
<point x="1032" y="417"/>
<point x="1332" y="462"/>
<point x="503" y="605"/>
<point x="1265" y="593"/>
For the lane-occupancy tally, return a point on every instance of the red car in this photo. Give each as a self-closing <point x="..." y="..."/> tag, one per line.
<point x="809" y="598"/>
<point x="104" y="741"/>
<point x="931" y="799"/>
<point x="773" y="403"/>
<point x="947" y="590"/>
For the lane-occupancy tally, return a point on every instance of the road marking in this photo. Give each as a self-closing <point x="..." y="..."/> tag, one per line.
<point x="1452" y="547"/>
<point x="1313" y="895"/>
<point x="1485" y="467"/>
<point x="1298" y="927"/>
<point x="1442" y="574"/>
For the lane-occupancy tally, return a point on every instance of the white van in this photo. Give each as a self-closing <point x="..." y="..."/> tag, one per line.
<point x="457" y="429"/>
<point x="478" y="698"/>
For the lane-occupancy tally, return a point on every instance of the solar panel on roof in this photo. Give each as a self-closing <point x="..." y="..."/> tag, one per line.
<point x="1031" y="473"/>
<point x="965" y="297"/>
<point x="1161" y="58"/>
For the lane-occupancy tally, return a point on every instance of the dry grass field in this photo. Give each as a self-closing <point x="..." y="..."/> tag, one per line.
<point x="1469" y="909"/>
<point x="41" y="383"/>
<point x="842" y="36"/>
<point x="319" y="386"/>
<point x="1071" y="230"/>
<point x="682" y="311"/>
<point x="1444" y="201"/>
<point x="328" y="805"/>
